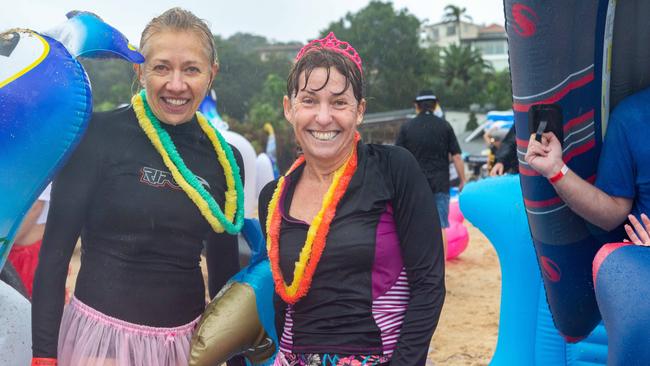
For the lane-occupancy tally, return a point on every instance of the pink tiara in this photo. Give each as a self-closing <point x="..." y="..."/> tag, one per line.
<point x="330" y="42"/>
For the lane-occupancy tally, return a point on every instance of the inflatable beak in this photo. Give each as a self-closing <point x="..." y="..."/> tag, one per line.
<point x="229" y="326"/>
<point x="85" y="34"/>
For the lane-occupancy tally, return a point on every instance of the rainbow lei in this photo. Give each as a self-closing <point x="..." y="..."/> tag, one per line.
<point x="233" y="219"/>
<point x="312" y="250"/>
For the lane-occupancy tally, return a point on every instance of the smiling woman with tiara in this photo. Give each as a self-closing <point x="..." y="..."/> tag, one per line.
<point x="356" y="254"/>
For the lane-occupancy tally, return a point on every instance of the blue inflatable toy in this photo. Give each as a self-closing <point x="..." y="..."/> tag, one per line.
<point x="240" y="319"/>
<point x="583" y="57"/>
<point x="556" y="59"/>
<point x="621" y="277"/>
<point x="45" y="104"/>
<point x="527" y="335"/>
<point x="209" y="109"/>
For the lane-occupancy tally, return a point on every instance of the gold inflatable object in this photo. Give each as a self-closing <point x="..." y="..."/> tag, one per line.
<point x="230" y="326"/>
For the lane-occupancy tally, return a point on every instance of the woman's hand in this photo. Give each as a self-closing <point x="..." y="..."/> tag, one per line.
<point x="545" y="156"/>
<point x="639" y="234"/>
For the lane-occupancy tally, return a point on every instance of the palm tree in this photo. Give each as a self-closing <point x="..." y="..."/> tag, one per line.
<point x="462" y="63"/>
<point x="455" y="14"/>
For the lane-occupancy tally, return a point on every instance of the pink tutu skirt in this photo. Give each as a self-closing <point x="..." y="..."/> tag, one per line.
<point x="90" y="338"/>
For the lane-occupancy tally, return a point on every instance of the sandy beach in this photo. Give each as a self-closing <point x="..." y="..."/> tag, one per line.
<point x="468" y="327"/>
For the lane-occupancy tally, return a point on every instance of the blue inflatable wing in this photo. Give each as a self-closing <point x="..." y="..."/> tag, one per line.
<point x="46" y="102"/>
<point x="258" y="275"/>
<point x="85" y="34"/>
<point x="488" y="204"/>
<point x="209" y="109"/>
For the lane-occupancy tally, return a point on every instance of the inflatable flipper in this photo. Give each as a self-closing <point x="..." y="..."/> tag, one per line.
<point x="240" y="319"/>
<point x="46" y="101"/>
<point x="230" y="326"/>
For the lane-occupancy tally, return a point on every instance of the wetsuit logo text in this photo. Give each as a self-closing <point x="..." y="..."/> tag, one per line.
<point x="160" y="178"/>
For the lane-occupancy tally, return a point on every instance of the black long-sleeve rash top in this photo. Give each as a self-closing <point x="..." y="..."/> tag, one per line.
<point x="379" y="286"/>
<point x="141" y="234"/>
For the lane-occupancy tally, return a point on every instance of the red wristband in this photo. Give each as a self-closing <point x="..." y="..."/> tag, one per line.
<point x="559" y="175"/>
<point x="38" y="361"/>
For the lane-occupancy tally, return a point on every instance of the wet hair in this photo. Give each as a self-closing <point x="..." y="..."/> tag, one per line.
<point x="327" y="59"/>
<point x="427" y="105"/>
<point x="178" y="19"/>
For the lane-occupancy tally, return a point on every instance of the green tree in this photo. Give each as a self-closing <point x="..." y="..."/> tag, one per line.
<point x="463" y="63"/>
<point x="266" y="106"/>
<point x="387" y="40"/>
<point x="242" y="73"/>
<point x="498" y="90"/>
<point x="113" y="82"/>
<point x="463" y="77"/>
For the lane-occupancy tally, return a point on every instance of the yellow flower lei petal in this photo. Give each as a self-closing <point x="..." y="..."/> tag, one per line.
<point x="230" y="194"/>
<point x="306" y="251"/>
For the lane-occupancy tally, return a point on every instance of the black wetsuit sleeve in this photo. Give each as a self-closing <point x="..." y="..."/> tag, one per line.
<point x="222" y="256"/>
<point x="420" y="238"/>
<point x="263" y="204"/>
<point x="222" y="250"/>
<point x="72" y="192"/>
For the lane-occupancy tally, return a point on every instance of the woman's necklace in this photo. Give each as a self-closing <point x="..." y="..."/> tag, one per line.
<point x="312" y="250"/>
<point x="232" y="220"/>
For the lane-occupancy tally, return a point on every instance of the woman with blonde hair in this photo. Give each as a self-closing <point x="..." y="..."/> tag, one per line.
<point x="148" y="186"/>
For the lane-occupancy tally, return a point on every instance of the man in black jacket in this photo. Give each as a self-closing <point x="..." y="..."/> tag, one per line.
<point x="432" y="141"/>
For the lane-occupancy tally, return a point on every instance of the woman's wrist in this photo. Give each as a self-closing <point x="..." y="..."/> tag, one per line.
<point x="43" y="361"/>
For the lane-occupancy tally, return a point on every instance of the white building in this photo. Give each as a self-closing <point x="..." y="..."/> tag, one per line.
<point x="447" y="33"/>
<point x="491" y="40"/>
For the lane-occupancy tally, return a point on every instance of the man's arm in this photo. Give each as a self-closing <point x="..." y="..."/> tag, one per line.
<point x="583" y="198"/>
<point x="460" y="168"/>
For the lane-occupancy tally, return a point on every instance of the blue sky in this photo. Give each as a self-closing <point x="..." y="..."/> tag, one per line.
<point x="279" y="20"/>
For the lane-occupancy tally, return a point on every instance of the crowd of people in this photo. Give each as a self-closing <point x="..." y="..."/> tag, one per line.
<point x="354" y="230"/>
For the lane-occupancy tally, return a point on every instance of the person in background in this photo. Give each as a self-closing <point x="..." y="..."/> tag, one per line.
<point x="148" y="187"/>
<point x="505" y="156"/>
<point x="357" y="260"/>
<point x="432" y="141"/>
<point x="27" y="244"/>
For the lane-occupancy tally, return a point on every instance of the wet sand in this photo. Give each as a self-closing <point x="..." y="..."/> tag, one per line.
<point x="468" y="327"/>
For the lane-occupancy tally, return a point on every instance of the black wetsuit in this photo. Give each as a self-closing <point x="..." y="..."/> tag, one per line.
<point x="141" y="235"/>
<point x="430" y="139"/>
<point x="379" y="286"/>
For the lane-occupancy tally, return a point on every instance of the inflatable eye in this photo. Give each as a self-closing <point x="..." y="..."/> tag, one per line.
<point x="21" y="54"/>
<point x="45" y="104"/>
